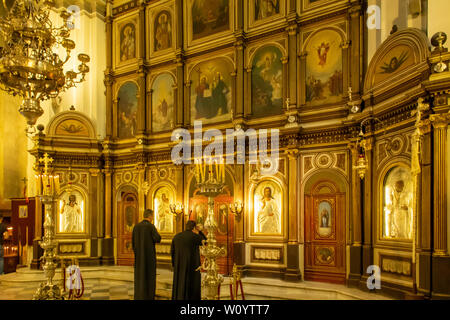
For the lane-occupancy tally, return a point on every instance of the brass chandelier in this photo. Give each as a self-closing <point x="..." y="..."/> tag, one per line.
<point x="29" y="65"/>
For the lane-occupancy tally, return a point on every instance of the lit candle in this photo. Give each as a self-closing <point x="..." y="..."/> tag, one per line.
<point x="223" y="170"/>
<point x="51" y="184"/>
<point x="57" y="184"/>
<point x="210" y="168"/>
<point x="217" y="171"/>
<point x="38" y="184"/>
<point x="45" y="184"/>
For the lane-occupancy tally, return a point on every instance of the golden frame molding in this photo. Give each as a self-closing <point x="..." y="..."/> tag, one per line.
<point x="152" y="11"/>
<point x="118" y="23"/>
<point x="250" y="234"/>
<point x="208" y="41"/>
<point x="252" y="25"/>
<point x="339" y="25"/>
<point x="380" y="241"/>
<point x="156" y="186"/>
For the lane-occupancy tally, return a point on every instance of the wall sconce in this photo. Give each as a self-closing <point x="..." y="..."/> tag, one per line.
<point x="177" y="210"/>
<point x="236" y="209"/>
<point x="362" y="166"/>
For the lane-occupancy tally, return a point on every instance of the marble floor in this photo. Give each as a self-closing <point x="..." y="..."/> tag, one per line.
<point x="117" y="283"/>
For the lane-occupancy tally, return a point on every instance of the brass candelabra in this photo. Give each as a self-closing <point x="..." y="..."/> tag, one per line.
<point x="211" y="181"/>
<point x="48" y="188"/>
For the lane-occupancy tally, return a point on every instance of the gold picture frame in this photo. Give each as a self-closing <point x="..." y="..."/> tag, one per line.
<point x="126" y="49"/>
<point x="23" y="212"/>
<point x="168" y="32"/>
<point x="214" y="35"/>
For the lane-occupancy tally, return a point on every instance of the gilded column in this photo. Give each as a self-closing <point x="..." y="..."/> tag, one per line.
<point x="368" y="198"/>
<point x="108" y="72"/>
<point x="180" y="92"/>
<point x="141" y="120"/>
<point x="179" y="178"/>
<point x="440" y="123"/>
<point x="292" y="63"/>
<point x="108" y="202"/>
<point x="356" y="51"/>
<point x="239" y="224"/>
<point x="356" y="198"/>
<point x="180" y="120"/>
<point x="248" y="92"/>
<point x="239" y="49"/>
<point x="293" y="269"/>
<point x="293" y="155"/>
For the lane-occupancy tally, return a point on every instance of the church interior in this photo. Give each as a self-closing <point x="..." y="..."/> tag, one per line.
<point x="354" y="93"/>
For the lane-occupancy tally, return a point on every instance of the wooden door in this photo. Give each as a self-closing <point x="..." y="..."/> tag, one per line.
<point x="325" y="234"/>
<point x="225" y="232"/>
<point x="128" y="218"/>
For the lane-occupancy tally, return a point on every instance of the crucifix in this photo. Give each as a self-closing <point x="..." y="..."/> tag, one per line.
<point x="46" y="160"/>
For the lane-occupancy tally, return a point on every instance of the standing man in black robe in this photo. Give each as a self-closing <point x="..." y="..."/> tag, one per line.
<point x="185" y="262"/>
<point x="145" y="236"/>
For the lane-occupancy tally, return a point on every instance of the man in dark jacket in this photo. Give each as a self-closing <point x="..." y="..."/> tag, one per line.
<point x="185" y="262"/>
<point x="145" y="236"/>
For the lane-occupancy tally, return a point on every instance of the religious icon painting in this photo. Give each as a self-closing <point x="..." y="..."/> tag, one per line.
<point x="396" y="60"/>
<point x="71" y="215"/>
<point x="324" y="77"/>
<point x="267" y="82"/>
<point x="130" y="217"/>
<point x="163" y="103"/>
<point x="324" y="219"/>
<point x="211" y="94"/>
<point x="127" y="110"/>
<point x="127" y="42"/>
<point x="199" y="211"/>
<point x="209" y="17"/>
<point x="266" y="8"/>
<point x="162" y="31"/>
<point x="162" y="200"/>
<point x="23" y="212"/>
<point x="398" y="201"/>
<point x="222" y="218"/>
<point x="267" y="206"/>
<point x="72" y="127"/>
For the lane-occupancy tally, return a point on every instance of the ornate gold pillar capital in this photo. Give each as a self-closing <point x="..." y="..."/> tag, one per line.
<point x="293" y="153"/>
<point x="368" y="144"/>
<point x="440" y="121"/>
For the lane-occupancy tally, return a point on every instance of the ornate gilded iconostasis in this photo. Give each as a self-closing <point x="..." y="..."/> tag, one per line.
<point x="71" y="141"/>
<point x="351" y="187"/>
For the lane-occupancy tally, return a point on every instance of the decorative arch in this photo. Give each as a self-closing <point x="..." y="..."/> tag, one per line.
<point x="338" y="30"/>
<point x="223" y="57"/>
<point x="262" y="46"/>
<point x="402" y="57"/>
<point x="73" y="124"/>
